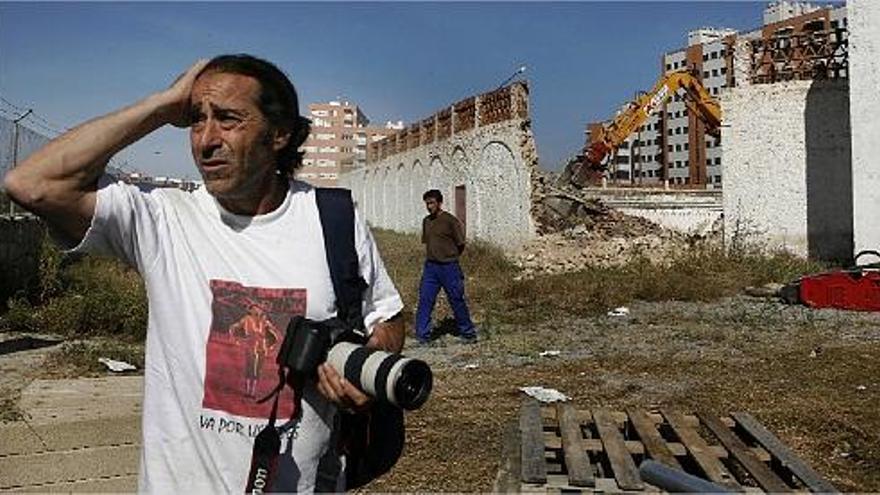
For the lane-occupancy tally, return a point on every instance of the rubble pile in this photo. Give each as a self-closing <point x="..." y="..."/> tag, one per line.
<point x="575" y="231"/>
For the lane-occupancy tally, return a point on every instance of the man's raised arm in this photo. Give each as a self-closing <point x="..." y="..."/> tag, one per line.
<point x="58" y="181"/>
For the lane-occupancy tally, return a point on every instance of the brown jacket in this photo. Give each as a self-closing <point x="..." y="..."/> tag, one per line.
<point x="443" y="237"/>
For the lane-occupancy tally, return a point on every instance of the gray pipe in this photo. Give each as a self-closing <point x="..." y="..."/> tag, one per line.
<point x="675" y="480"/>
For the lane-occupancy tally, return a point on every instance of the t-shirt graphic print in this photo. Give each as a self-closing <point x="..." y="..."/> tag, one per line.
<point x="248" y="325"/>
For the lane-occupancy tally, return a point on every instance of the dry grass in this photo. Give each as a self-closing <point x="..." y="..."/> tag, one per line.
<point x="9" y="410"/>
<point x="80" y="358"/>
<point x="811" y="404"/>
<point x="718" y="356"/>
<point x="82" y="297"/>
<point x="487" y="272"/>
<point x="497" y="295"/>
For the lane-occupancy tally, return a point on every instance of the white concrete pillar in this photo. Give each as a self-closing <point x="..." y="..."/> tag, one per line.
<point x="864" y="81"/>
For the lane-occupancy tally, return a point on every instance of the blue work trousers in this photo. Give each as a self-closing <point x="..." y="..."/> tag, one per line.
<point x="449" y="276"/>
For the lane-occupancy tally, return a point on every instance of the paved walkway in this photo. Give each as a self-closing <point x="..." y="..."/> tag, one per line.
<point x="81" y="435"/>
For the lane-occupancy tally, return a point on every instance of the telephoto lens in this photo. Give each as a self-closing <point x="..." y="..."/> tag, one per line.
<point x="402" y="381"/>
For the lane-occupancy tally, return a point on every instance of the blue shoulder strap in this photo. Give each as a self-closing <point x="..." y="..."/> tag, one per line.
<point x="336" y="210"/>
<point x="374" y="441"/>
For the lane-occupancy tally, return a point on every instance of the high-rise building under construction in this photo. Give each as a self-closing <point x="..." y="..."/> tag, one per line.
<point x="673" y="145"/>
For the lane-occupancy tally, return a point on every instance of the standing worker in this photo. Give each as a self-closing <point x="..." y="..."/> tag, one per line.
<point x="443" y="237"/>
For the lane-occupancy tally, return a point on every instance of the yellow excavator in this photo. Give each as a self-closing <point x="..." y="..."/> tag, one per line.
<point x="606" y="139"/>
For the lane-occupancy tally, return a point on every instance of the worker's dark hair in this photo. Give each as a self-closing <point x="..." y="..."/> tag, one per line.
<point x="278" y="102"/>
<point x="433" y="193"/>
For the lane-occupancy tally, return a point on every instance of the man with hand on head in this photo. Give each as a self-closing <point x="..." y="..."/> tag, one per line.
<point x="251" y="235"/>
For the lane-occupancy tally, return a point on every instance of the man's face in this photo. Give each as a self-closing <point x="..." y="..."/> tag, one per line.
<point x="233" y="144"/>
<point x="432" y="205"/>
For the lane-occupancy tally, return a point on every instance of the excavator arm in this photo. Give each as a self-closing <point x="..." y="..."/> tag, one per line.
<point x="608" y="138"/>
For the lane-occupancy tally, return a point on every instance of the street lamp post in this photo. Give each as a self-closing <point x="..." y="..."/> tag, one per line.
<point x="520" y="70"/>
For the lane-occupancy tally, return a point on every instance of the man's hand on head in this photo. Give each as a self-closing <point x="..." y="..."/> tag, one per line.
<point x="177" y="97"/>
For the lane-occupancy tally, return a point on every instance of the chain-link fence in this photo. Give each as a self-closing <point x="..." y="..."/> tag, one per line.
<point x="16" y="143"/>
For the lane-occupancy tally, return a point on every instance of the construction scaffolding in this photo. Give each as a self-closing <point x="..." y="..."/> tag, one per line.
<point x="787" y="55"/>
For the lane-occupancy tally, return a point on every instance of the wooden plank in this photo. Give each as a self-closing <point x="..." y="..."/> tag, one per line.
<point x="580" y="473"/>
<point x="532" y="463"/>
<point x="651" y="439"/>
<point x="607" y="485"/>
<point x="700" y="450"/>
<point x="507" y="479"/>
<point x="785" y="456"/>
<point x="635" y="447"/>
<point x="741" y="452"/>
<point x="624" y="468"/>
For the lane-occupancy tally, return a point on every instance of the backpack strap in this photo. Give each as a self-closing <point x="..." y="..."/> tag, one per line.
<point x="336" y="210"/>
<point x="372" y="442"/>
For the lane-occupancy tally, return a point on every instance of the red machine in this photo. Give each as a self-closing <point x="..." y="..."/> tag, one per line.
<point x="856" y="289"/>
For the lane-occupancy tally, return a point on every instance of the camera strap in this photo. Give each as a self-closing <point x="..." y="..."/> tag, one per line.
<point x="267" y="445"/>
<point x="336" y="212"/>
<point x="374" y="441"/>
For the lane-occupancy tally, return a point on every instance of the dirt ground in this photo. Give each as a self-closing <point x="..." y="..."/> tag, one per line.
<point x="811" y="377"/>
<point x="19" y="368"/>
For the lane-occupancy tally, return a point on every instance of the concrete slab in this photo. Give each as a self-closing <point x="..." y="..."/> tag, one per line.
<point x="116" y="484"/>
<point x="22" y="438"/>
<point x="80" y="435"/>
<point x="85" y="464"/>
<point x="50" y="401"/>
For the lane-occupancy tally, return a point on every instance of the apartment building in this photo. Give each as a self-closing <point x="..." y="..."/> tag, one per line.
<point x="338" y="141"/>
<point x="673" y="145"/>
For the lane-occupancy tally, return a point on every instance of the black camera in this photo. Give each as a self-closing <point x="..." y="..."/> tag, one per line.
<point x="392" y="378"/>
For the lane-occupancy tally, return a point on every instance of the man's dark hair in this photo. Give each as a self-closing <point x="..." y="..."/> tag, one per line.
<point x="278" y="102"/>
<point x="433" y="193"/>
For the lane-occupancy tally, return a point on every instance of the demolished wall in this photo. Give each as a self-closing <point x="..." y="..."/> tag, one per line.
<point x="480" y="153"/>
<point x="787" y="174"/>
<point x="864" y="60"/>
<point x="688" y="211"/>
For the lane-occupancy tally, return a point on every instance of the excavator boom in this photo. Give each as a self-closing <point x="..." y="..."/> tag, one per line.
<point x="608" y="138"/>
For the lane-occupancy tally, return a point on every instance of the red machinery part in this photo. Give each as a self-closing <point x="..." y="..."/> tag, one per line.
<point x="856" y="289"/>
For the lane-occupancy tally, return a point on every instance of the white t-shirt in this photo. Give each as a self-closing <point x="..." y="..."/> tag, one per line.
<point x="221" y="290"/>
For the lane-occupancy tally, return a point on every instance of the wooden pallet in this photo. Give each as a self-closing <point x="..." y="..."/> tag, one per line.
<point x="560" y="448"/>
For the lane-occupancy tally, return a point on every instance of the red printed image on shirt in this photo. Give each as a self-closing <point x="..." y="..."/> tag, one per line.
<point x="247" y="328"/>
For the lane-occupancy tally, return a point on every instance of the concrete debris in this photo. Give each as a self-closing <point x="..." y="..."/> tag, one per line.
<point x="771" y="290"/>
<point x="546" y="395"/>
<point x="575" y="231"/>
<point x="619" y="311"/>
<point x="559" y="207"/>
<point x="116" y="366"/>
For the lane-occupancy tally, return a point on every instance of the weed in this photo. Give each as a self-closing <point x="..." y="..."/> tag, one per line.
<point x="81" y="358"/>
<point x="91" y="296"/>
<point x="495" y="292"/>
<point x="96" y="296"/>
<point x="9" y="409"/>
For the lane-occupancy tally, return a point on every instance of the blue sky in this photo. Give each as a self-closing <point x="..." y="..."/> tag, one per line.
<point x="398" y="61"/>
